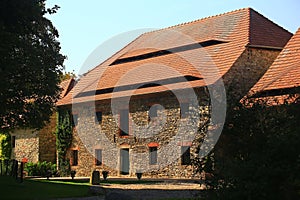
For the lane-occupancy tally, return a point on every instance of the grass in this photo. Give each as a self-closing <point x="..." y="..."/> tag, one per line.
<point x="195" y="198"/>
<point x="41" y="189"/>
<point x="50" y="189"/>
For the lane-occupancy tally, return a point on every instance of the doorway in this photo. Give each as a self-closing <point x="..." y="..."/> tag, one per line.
<point x="124" y="161"/>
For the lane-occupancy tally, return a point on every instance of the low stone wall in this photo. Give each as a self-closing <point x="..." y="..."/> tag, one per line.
<point x="26" y="145"/>
<point x="35" y="145"/>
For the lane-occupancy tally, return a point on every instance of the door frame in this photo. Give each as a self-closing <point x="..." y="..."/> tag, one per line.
<point x="121" y="167"/>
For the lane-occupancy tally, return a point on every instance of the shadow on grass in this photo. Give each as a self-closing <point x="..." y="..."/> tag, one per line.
<point x="109" y="181"/>
<point x="36" y="189"/>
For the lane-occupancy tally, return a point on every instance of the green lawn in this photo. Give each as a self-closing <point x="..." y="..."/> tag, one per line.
<point x="40" y="189"/>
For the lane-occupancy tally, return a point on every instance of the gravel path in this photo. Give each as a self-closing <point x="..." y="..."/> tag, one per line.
<point x="149" y="191"/>
<point x="166" y="188"/>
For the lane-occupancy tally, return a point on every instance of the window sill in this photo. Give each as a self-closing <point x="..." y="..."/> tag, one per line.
<point x="124" y="136"/>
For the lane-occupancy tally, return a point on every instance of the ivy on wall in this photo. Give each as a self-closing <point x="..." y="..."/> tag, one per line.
<point x="63" y="139"/>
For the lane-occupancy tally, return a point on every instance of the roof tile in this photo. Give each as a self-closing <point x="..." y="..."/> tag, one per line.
<point x="285" y="71"/>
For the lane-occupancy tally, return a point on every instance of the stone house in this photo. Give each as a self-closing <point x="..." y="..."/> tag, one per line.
<point x="38" y="145"/>
<point x="283" y="77"/>
<point x="143" y="109"/>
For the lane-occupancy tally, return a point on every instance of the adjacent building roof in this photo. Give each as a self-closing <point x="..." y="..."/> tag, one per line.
<point x="66" y="86"/>
<point x="192" y="54"/>
<point x="284" y="73"/>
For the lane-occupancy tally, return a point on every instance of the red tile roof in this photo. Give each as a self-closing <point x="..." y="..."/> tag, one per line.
<point x="66" y="86"/>
<point x="284" y="73"/>
<point x="223" y="38"/>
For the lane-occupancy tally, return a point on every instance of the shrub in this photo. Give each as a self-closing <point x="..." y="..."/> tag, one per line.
<point x="5" y="147"/>
<point x="40" y="168"/>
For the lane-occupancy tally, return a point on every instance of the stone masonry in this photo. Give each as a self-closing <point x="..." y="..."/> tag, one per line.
<point x="35" y="145"/>
<point x="89" y="136"/>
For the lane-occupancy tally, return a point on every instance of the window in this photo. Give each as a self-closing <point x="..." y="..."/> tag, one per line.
<point x="98" y="156"/>
<point x="153" y="155"/>
<point x="13" y="141"/>
<point x="152" y="111"/>
<point x="74" y="158"/>
<point x="98" y="117"/>
<point x="185" y="155"/>
<point x="124" y="122"/>
<point x="74" y="120"/>
<point x="184" y="110"/>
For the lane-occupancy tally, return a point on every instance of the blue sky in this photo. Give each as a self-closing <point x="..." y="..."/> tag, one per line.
<point x="84" y="25"/>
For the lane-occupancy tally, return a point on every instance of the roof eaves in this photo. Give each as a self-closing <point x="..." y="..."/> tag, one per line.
<point x="264" y="47"/>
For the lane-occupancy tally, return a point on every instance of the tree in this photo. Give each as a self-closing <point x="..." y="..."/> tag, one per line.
<point x="258" y="155"/>
<point x="30" y="64"/>
<point x="5" y="146"/>
<point x="67" y="76"/>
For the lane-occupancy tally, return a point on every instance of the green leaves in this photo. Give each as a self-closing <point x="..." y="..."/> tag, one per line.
<point x="30" y="64"/>
<point x="5" y="146"/>
<point x="258" y="154"/>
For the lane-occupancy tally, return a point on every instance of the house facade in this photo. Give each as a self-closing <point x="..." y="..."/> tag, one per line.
<point x="32" y="145"/>
<point x="149" y="106"/>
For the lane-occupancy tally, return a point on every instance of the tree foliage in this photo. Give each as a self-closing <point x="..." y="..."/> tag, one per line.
<point x="258" y="154"/>
<point x="30" y="63"/>
<point x="5" y="146"/>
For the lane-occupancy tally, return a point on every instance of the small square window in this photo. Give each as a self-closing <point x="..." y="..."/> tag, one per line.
<point x="153" y="111"/>
<point x="184" y="110"/>
<point x="185" y="155"/>
<point x="13" y="141"/>
<point x="98" y="157"/>
<point x="74" y="120"/>
<point x="124" y="122"/>
<point x="98" y="117"/>
<point x="74" y="160"/>
<point x="153" y="155"/>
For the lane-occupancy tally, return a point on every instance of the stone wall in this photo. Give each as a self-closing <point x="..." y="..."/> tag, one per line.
<point x="247" y="70"/>
<point x="26" y="145"/>
<point x="47" y="141"/>
<point x="169" y="130"/>
<point x="35" y="145"/>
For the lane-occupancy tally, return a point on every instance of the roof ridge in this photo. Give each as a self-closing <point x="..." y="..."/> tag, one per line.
<point x="198" y="20"/>
<point x="249" y="26"/>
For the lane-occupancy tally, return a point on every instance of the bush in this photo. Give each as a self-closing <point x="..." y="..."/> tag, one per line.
<point x="40" y="168"/>
<point x="5" y="147"/>
<point x="258" y="154"/>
